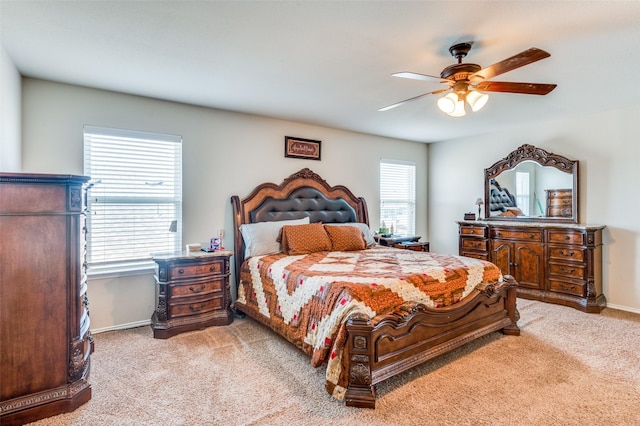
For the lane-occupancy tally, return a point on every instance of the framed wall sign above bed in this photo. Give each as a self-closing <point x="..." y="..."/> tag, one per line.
<point x="308" y="149"/>
<point x="308" y="268"/>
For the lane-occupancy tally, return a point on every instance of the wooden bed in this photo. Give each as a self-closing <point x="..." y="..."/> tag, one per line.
<point x="376" y="348"/>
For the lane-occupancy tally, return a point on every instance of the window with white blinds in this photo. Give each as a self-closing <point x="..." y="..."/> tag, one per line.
<point x="398" y="196"/>
<point x="135" y="204"/>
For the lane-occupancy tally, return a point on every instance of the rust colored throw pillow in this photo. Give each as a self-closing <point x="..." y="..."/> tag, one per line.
<point x="303" y="239"/>
<point x="346" y="238"/>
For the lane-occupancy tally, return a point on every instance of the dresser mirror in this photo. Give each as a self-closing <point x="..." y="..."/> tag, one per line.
<point x="531" y="184"/>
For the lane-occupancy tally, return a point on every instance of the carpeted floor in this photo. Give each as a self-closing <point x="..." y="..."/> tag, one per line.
<point x="567" y="368"/>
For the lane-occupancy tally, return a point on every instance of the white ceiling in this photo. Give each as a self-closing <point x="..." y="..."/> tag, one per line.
<point x="329" y="62"/>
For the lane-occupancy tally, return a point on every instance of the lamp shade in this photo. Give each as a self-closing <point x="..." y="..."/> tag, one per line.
<point x="452" y="105"/>
<point x="459" y="109"/>
<point x="476" y="100"/>
<point x="447" y="104"/>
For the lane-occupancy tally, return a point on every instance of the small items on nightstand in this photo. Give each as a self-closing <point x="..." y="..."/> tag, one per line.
<point x="469" y="216"/>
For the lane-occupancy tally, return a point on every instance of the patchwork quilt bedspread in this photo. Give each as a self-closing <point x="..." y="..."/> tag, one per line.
<point x="308" y="298"/>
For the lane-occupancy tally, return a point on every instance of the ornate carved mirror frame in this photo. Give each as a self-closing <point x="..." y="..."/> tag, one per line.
<point x="544" y="159"/>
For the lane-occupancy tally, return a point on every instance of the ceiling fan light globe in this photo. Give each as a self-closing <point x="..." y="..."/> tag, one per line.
<point x="459" y="109"/>
<point x="476" y="100"/>
<point x="447" y="104"/>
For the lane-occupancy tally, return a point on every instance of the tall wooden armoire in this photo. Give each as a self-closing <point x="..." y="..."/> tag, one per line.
<point x="45" y="341"/>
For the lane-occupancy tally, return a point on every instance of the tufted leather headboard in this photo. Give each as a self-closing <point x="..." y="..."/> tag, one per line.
<point x="303" y="202"/>
<point x="500" y="198"/>
<point x="302" y="194"/>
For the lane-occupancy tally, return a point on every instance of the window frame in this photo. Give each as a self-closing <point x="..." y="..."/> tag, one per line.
<point x="409" y="202"/>
<point x="140" y="264"/>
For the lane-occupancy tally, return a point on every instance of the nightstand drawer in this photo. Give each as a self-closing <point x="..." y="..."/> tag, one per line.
<point x="198" y="289"/>
<point x="180" y="271"/>
<point x="189" y="309"/>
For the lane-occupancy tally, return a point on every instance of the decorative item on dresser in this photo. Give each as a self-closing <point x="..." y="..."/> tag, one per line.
<point x="45" y="342"/>
<point x="552" y="262"/>
<point x="192" y="292"/>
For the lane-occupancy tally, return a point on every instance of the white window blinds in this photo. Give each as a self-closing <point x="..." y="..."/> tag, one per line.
<point x="135" y="206"/>
<point x="398" y="196"/>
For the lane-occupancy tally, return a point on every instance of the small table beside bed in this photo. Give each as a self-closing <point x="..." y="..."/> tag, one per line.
<point x="307" y="267"/>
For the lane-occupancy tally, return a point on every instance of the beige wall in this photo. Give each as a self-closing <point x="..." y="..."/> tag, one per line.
<point x="228" y="153"/>
<point x="224" y="154"/>
<point x="608" y="150"/>
<point x="10" y="114"/>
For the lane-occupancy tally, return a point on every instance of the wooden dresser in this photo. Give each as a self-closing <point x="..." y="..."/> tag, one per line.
<point x="552" y="262"/>
<point x="45" y="341"/>
<point x="192" y="292"/>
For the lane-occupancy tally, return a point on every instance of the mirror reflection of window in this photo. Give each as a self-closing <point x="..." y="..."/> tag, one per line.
<point x="523" y="198"/>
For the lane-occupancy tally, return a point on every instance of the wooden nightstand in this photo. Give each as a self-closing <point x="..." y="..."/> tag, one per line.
<point x="394" y="239"/>
<point x="413" y="245"/>
<point x="192" y="292"/>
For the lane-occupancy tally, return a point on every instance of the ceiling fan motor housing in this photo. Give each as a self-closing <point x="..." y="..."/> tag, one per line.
<point x="459" y="71"/>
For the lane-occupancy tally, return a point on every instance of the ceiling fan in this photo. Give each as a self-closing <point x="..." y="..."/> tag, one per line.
<point x="467" y="82"/>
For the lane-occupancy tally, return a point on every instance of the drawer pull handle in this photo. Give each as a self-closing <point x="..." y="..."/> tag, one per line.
<point x="567" y="287"/>
<point x="497" y="234"/>
<point x="181" y="271"/>
<point x="567" y="271"/>
<point x="196" y="308"/>
<point x="212" y="269"/>
<point x="564" y="253"/>
<point x="197" y="290"/>
<point x="531" y="236"/>
<point x="566" y="237"/>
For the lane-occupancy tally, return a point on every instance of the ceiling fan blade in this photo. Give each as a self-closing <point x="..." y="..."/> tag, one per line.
<point x="508" y="87"/>
<point x="521" y="59"/>
<point x="416" y="76"/>
<point x="388" y="107"/>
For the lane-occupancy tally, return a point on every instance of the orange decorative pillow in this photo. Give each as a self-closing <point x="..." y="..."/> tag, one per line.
<point x="303" y="239"/>
<point x="346" y="238"/>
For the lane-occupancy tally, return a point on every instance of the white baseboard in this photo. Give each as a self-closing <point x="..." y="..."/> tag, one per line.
<point x="121" y="326"/>
<point x="623" y="308"/>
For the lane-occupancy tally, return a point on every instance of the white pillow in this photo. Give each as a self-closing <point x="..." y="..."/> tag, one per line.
<point x="368" y="236"/>
<point x="260" y="237"/>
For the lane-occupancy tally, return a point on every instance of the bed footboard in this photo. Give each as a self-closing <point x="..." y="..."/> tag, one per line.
<point x="406" y="339"/>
